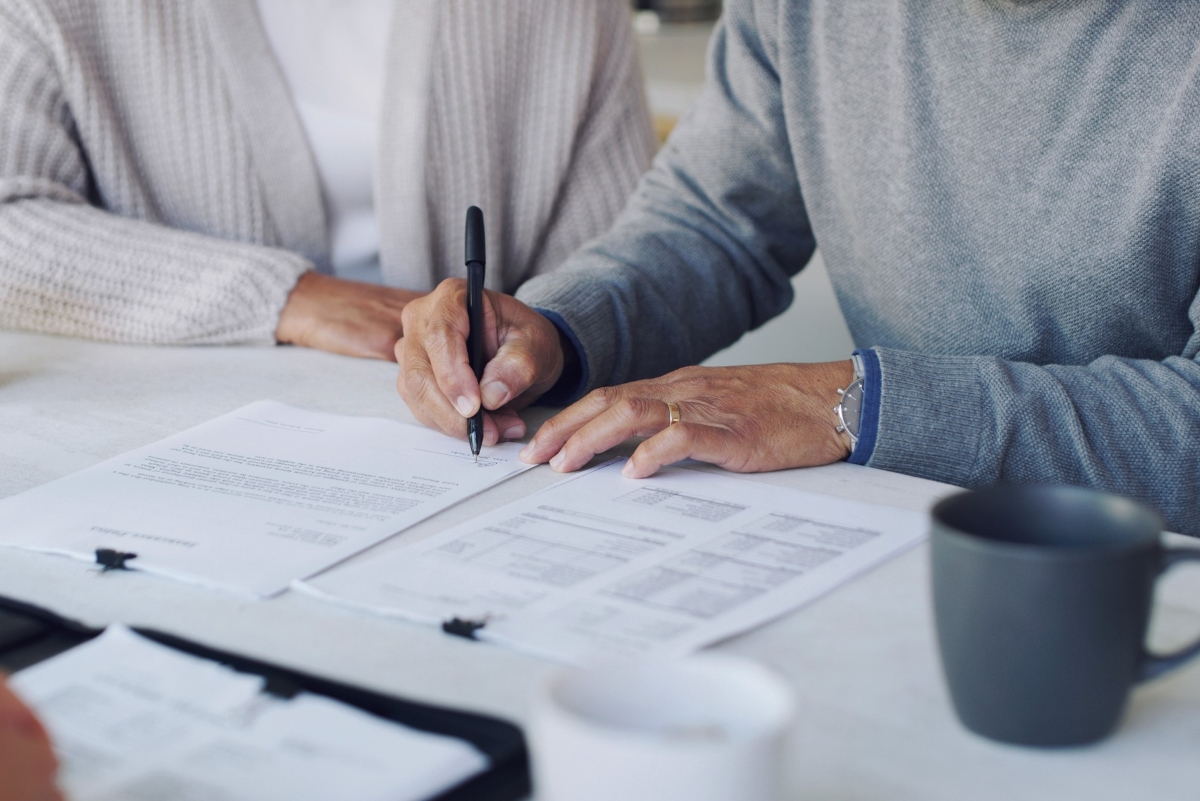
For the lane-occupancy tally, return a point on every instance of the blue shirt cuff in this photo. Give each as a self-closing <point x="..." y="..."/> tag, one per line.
<point x="868" y="424"/>
<point x="569" y="387"/>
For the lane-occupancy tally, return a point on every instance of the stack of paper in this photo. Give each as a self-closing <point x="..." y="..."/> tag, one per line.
<point x="131" y="719"/>
<point x="604" y="565"/>
<point x="255" y="498"/>
<point x="598" y="564"/>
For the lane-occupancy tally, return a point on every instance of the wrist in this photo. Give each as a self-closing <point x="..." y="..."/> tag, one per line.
<point x="847" y="411"/>
<point x="573" y="379"/>
<point x="289" y="328"/>
<point x="868" y="371"/>
<point x="570" y="358"/>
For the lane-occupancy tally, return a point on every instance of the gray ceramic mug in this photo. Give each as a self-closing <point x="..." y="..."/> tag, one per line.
<point x="1042" y="597"/>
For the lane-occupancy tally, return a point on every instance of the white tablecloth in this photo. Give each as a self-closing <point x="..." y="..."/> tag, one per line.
<point x="875" y="719"/>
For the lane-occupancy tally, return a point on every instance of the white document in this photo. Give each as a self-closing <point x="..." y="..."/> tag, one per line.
<point x="255" y="498"/>
<point x="133" y="720"/>
<point x="603" y="565"/>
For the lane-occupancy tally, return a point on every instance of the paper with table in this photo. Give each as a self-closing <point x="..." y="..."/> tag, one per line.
<point x="602" y="565"/>
<point x="255" y="498"/>
<point x="132" y="719"/>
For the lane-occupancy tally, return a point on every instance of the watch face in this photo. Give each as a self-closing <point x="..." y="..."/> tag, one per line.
<point x="852" y="407"/>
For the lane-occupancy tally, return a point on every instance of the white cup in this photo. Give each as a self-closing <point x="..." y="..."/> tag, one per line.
<point x="704" y="728"/>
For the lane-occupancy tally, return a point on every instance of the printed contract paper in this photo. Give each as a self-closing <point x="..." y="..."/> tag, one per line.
<point x="131" y="719"/>
<point x="256" y="498"/>
<point x="602" y="565"/>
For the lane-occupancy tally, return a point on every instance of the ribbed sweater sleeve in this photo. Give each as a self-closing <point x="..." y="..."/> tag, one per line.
<point x="69" y="267"/>
<point x="1122" y="425"/>
<point x="614" y="142"/>
<point x="537" y="115"/>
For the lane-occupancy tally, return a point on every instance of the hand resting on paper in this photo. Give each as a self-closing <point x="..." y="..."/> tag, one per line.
<point x="27" y="762"/>
<point x="746" y="419"/>
<point x="525" y="357"/>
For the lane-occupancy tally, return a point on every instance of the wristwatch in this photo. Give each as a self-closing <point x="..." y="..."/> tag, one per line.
<point x="849" y="410"/>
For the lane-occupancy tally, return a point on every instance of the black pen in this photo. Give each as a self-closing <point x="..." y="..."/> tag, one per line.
<point x="476" y="261"/>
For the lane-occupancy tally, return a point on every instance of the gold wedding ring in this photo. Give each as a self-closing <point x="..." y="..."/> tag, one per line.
<point x="672" y="413"/>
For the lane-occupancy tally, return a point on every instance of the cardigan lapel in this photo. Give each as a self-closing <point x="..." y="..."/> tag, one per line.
<point x="400" y="157"/>
<point x="282" y="156"/>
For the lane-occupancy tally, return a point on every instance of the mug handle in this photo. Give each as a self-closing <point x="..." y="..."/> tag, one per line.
<point x="1155" y="665"/>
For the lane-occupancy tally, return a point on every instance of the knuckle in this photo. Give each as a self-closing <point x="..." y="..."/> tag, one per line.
<point x="628" y="409"/>
<point x="418" y="390"/>
<point x="451" y="286"/>
<point x="689" y="375"/>
<point x="521" y="367"/>
<point x="410" y="315"/>
<point x="439" y="340"/>
<point x="420" y="387"/>
<point x="605" y="395"/>
<point x="648" y="411"/>
<point x="547" y="434"/>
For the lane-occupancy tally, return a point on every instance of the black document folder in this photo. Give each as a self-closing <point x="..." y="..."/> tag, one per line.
<point x="29" y="634"/>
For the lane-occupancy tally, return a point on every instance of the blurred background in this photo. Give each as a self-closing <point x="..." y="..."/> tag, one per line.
<point x="674" y="36"/>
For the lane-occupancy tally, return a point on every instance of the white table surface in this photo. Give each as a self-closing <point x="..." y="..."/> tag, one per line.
<point x="875" y="720"/>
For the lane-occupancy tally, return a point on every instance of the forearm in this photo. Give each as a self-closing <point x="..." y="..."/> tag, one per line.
<point x="74" y="270"/>
<point x="68" y="267"/>
<point x="707" y="245"/>
<point x="1122" y="425"/>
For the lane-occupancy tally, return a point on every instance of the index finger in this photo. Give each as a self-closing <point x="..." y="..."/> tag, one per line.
<point x="418" y="387"/>
<point x="431" y="408"/>
<point x="437" y="326"/>
<point x="629" y="417"/>
<point x="555" y="432"/>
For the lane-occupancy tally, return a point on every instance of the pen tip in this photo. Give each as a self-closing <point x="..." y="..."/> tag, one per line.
<point x="477" y="458"/>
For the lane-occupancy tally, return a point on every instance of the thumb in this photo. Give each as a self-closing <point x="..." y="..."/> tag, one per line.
<point x="512" y="372"/>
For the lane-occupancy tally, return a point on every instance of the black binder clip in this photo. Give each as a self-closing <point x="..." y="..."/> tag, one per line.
<point x="108" y="559"/>
<point x="463" y="628"/>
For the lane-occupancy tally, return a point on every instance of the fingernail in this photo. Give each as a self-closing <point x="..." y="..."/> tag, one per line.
<point x="527" y="452"/>
<point x="557" y="461"/>
<point x="465" y="407"/>
<point x="513" y="433"/>
<point x="627" y="470"/>
<point x="495" y="393"/>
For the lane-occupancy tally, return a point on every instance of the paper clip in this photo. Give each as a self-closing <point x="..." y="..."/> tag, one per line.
<point x="463" y="628"/>
<point x="109" y="559"/>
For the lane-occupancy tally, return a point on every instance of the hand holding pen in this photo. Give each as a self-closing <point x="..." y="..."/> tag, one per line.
<point x="521" y="353"/>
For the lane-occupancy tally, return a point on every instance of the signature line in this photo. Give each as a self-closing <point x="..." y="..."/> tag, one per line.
<point x="482" y="459"/>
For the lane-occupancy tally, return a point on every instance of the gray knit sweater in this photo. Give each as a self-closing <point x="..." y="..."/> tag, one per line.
<point x="156" y="184"/>
<point x="1007" y="196"/>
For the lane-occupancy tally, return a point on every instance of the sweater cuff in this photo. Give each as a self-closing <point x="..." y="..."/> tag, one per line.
<point x="930" y="415"/>
<point x="586" y="315"/>
<point x="868" y="422"/>
<point x="570" y="386"/>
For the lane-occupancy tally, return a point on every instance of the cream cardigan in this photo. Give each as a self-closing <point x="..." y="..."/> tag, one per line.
<point x="156" y="185"/>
